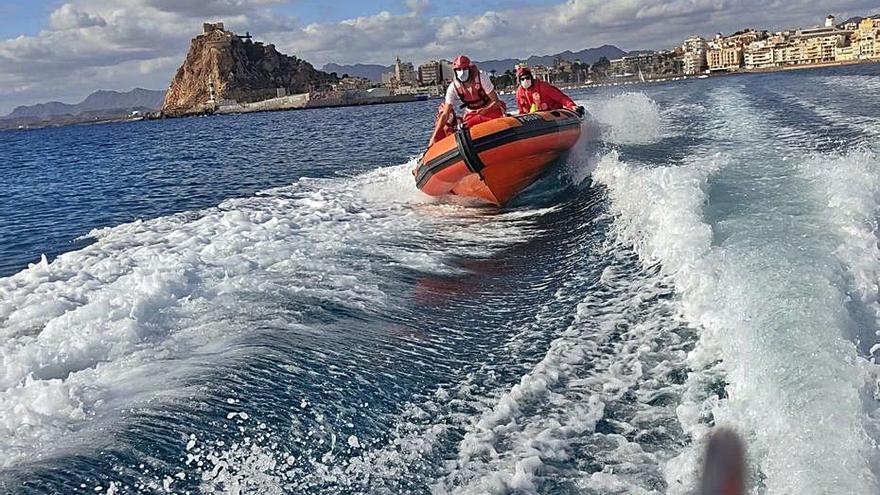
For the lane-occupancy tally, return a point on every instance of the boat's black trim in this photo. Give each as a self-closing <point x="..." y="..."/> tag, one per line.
<point x="468" y="149"/>
<point x="526" y="131"/>
<point x="437" y="164"/>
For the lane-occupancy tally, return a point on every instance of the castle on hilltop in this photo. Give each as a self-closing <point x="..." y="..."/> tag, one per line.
<point x="224" y="66"/>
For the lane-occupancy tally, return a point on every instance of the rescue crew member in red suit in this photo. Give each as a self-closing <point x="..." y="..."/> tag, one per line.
<point x="536" y="96"/>
<point x="472" y="91"/>
<point x="449" y="126"/>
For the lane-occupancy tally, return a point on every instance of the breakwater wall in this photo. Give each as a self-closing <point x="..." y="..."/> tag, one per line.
<point x="306" y="100"/>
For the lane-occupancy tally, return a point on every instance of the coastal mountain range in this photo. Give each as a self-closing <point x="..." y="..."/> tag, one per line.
<point x="107" y="104"/>
<point x="99" y="101"/>
<point x="588" y="56"/>
<point x="372" y="72"/>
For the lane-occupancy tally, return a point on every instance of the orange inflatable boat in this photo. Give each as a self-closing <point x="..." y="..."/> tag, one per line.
<point x="494" y="161"/>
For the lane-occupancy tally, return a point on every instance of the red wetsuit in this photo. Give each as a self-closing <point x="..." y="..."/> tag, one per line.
<point x="473" y="118"/>
<point x="475" y="98"/>
<point x="544" y="96"/>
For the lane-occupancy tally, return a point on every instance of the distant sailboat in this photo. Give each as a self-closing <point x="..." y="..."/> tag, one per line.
<point x="641" y="76"/>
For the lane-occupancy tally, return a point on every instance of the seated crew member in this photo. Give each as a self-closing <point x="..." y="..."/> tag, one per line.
<point x="534" y="95"/>
<point x="471" y="90"/>
<point x="449" y="124"/>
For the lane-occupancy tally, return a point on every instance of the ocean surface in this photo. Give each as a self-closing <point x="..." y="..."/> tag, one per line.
<point x="265" y="304"/>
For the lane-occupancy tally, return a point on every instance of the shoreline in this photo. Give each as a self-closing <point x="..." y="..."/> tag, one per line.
<point x="299" y="102"/>
<point x="680" y="78"/>
<point x="272" y="105"/>
<point x="836" y="63"/>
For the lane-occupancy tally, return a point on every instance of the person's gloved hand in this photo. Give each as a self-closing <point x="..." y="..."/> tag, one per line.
<point x="579" y="110"/>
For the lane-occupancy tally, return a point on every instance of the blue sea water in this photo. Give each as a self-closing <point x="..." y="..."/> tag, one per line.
<point x="265" y="304"/>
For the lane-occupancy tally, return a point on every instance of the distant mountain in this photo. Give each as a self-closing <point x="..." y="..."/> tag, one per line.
<point x="97" y="102"/>
<point x="588" y="56"/>
<point x="368" y="71"/>
<point x="857" y="19"/>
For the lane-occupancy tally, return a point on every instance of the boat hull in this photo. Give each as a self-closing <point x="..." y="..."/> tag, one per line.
<point x="496" y="160"/>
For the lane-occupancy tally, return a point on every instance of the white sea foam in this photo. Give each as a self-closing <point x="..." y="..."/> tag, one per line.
<point x="87" y="335"/>
<point x="621" y="345"/>
<point x="760" y="274"/>
<point x="630" y="118"/>
<point x="767" y="249"/>
<point x="828" y="109"/>
<point x="849" y="186"/>
<point x="857" y="85"/>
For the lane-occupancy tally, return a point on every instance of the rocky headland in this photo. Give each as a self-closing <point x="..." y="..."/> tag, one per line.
<point x="224" y="67"/>
<point x="100" y="106"/>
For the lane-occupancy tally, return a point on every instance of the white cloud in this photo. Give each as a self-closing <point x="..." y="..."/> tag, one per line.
<point x="114" y="44"/>
<point x="202" y="8"/>
<point x="573" y="24"/>
<point x="417" y="6"/>
<point x="119" y="43"/>
<point x="69" y="17"/>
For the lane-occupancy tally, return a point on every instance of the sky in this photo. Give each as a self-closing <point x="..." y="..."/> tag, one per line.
<point x="62" y="50"/>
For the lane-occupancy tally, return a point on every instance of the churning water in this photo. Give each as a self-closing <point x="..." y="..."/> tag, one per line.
<point x="265" y="304"/>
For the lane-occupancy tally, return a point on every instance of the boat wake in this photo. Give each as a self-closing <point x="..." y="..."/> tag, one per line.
<point x="681" y="273"/>
<point x="773" y="253"/>
<point x="149" y="305"/>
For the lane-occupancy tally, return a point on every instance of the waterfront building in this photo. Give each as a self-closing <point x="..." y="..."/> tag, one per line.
<point x="865" y="37"/>
<point x="446" y="70"/>
<point x="694" y="58"/>
<point x="352" y="84"/>
<point x="618" y="67"/>
<point x="727" y="53"/>
<point x="745" y="37"/>
<point x="789" y="53"/>
<point x="723" y="58"/>
<point x="817" y="45"/>
<point x="405" y="73"/>
<point x="642" y="62"/>
<point x="431" y="73"/>
<point x="562" y="65"/>
<point x="543" y="73"/>
<point x="760" y="55"/>
<point x="846" y="53"/>
<point x="668" y="63"/>
<point x="563" y="69"/>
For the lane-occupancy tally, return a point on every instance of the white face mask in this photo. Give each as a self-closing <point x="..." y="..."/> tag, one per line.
<point x="462" y="74"/>
<point x="526" y="83"/>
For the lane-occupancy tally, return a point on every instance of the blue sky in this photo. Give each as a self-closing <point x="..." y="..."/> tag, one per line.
<point x="29" y="17"/>
<point x="22" y="17"/>
<point x="65" y="49"/>
<point x="323" y="11"/>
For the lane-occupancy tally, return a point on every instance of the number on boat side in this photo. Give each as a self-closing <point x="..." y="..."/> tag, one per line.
<point x="529" y="117"/>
